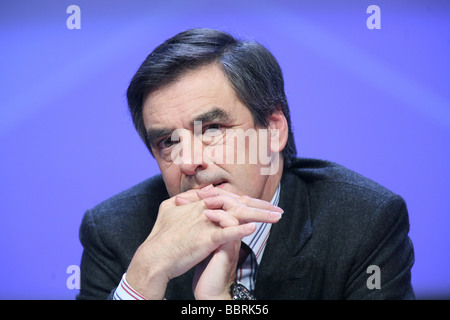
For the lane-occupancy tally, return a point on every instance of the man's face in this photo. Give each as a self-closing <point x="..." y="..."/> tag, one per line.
<point x="203" y="107"/>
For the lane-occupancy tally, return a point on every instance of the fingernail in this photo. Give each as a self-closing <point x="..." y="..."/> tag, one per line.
<point x="280" y="210"/>
<point x="209" y="186"/>
<point x="250" y="227"/>
<point x="275" y="214"/>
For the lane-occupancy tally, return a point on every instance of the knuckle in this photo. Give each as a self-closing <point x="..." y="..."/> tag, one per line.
<point x="216" y="237"/>
<point x="241" y="210"/>
<point x="245" y="199"/>
<point x="164" y="204"/>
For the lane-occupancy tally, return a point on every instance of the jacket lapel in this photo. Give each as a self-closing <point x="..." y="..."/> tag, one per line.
<point x="282" y="261"/>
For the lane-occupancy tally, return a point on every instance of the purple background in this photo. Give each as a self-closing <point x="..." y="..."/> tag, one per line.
<point x="376" y="101"/>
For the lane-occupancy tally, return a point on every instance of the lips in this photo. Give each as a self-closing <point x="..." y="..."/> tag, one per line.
<point x="200" y="181"/>
<point x="219" y="184"/>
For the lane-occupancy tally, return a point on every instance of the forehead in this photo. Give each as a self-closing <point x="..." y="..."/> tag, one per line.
<point x="193" y="93"/>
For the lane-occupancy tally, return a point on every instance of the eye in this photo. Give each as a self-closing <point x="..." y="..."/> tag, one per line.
<point x="212" y="129"/>
<point x="166" y="143"/>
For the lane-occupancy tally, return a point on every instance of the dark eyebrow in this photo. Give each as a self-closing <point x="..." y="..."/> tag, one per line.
<point x="213" y="115"/>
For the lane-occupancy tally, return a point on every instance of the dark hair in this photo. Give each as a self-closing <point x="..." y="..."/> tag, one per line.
<point x="251" y="69"/>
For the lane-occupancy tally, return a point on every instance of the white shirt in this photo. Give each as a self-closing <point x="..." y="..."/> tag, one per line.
<point x="245" y="275"/>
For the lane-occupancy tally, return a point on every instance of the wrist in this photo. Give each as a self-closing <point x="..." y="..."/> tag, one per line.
<point x="125" y="291"/>
<point x="212" y="291"/>
<point x="148" y="284"/>
<point x="147" y="276"/>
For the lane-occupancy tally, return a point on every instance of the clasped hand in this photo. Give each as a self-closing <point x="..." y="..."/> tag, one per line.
<point x="201" y="228"/>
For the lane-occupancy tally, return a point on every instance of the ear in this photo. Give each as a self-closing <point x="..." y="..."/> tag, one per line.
<point x="278" y="129"/>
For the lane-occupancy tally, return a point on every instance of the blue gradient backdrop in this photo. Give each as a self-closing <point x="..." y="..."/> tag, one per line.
<point x="376" y="101"/>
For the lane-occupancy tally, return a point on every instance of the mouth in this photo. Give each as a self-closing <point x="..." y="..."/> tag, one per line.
<point x="219" y="184"/>
<point x="207" y="184"/>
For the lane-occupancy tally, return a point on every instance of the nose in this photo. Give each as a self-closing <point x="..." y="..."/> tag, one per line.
<point x="192" y="158"/>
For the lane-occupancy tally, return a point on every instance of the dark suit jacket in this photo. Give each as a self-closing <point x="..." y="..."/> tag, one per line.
<point x="335" y="225"/>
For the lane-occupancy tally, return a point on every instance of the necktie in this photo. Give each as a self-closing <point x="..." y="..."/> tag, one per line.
<point x="246" y="268"/>
<point x="243" y="254"/>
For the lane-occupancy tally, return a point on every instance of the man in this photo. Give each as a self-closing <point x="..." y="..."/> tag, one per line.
<point x="213" y="113"/>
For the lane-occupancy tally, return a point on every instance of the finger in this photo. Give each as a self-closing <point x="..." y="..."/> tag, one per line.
<point x="221" y="202"/>
<point x="260" y="204"/>
<point x="212" y="192"/>
<point x="179" y="201"/>
<point x="223" y="218"/>
<point x="240" y="211"/>
<point x="249" y="201"/>
<point x="190" y="195"/>
<point x="233" y="233"/>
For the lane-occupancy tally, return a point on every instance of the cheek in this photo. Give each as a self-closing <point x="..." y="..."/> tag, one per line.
<point x="246" y="179"/>
<point x="171" y="175"/>
<point x="235" y="146"/>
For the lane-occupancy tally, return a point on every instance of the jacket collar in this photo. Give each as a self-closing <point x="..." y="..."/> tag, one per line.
<point x="287" y="237"/>
<point x="294" y="228"/>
